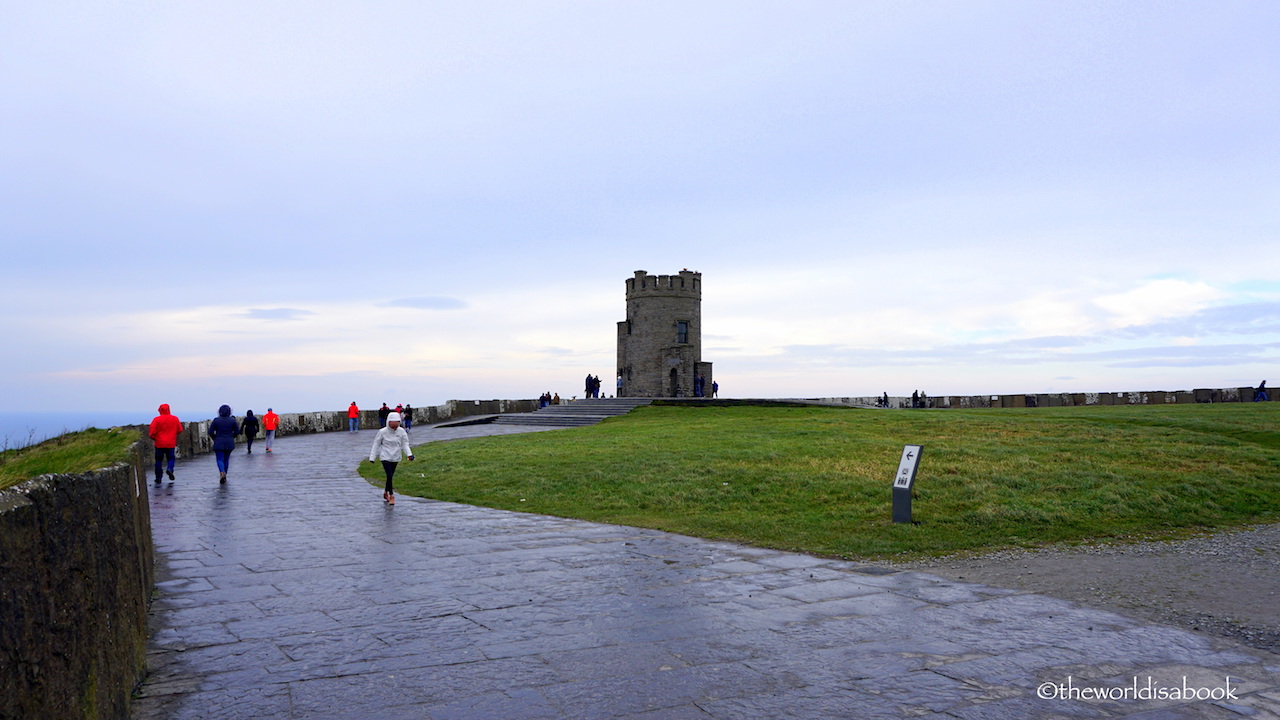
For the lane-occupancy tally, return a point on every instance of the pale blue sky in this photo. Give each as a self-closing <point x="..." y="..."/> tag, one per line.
<point x="300" y="204"/>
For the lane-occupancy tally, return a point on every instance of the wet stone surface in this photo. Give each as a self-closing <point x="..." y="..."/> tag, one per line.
<point x="293" y="591"/>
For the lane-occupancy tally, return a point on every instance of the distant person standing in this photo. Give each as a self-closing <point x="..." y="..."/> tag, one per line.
<point x="408" y="416"/>
<point x="715" y="388"/>
<point x="270" y="422"/>
<point x="164" y="434"/>
<point x="383" y="412"/>
<point x="353" y="417"/>
<point x="389" y="445"/>
<point x="1260" y="395"/>
<point x="224" y="429"/>
<point x="250" y="428"/>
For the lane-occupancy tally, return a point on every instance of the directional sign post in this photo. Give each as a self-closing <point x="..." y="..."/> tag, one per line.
<point x="903" y="482"/>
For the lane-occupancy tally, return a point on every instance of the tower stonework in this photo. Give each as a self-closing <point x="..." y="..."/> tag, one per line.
<point x="660" y="342"/>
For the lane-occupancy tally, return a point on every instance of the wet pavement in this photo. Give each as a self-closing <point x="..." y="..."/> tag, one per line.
<point x="293" y="591"/>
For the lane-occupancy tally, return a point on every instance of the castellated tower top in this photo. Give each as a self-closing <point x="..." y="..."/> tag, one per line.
<point x="686" y="284"/>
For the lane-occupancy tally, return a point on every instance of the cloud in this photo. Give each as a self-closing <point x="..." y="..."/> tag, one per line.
<point x="1158" y="300"/>
<point x="275" y="314"/>
<point x="426" y="303"/>
<point x="1241" y="319"/>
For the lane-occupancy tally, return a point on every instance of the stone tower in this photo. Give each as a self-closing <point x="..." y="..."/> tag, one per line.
<point x="660" y="342"/>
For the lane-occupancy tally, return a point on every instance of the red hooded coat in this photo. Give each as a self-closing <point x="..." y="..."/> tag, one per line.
<point x="165" y="428"/>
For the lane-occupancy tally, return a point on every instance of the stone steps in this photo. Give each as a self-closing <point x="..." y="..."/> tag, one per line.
<point x="579" y="413"/>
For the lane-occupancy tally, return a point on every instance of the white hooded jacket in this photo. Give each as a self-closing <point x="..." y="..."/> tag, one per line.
<point x="388" y="444"/>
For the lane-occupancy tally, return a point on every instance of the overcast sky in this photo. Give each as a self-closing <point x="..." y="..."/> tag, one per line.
<point x="301" y="204"/>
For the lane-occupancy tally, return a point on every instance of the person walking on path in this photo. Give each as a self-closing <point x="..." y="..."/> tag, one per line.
<point x="408" y="416"/>
<point x="388" y="445"/>
<point x="164" y="434"/>
<point x="383" y="412"/>
<point x="250" y="428"/>
<point x="353" y="417"/>
<point x="1260" y="395"/>
<point x="224" y="429"/>
<point x="270" y="422"/>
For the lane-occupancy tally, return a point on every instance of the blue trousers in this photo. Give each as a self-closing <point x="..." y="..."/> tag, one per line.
<point x="224" y="459"/>
<point x="161" y="455"/>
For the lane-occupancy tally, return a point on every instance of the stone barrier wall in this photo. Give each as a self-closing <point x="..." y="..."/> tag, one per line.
<point x="1151" y="397"/>
<point x="75" y="579"/>
<point x="195" y="440"/>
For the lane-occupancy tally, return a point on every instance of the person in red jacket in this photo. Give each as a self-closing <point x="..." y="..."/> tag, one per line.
<point x="353" y="417"/>
<point x="164" y="433"/>
<point x="270" y="422"/>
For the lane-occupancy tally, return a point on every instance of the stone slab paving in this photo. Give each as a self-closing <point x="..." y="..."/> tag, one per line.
<point x="295" y="592"/>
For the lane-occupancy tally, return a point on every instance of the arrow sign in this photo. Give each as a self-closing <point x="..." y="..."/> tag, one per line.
<point x="907" y="467"/>
<point x="903" y="481"/>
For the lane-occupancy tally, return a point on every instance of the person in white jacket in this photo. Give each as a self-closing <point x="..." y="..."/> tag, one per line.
<point x="388" y="445"/>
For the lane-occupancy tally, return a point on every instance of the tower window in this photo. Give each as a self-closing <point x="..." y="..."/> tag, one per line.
<point x="682" y="333"/>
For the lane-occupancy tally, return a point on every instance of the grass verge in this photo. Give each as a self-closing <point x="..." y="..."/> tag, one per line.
<point x="75" y="452"/>
<point x="819" y="480"/>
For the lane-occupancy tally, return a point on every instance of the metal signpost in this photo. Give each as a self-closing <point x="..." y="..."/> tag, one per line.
<point x="903" y="481"/>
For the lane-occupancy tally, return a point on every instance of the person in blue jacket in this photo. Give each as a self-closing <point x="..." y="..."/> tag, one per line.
<point x="224" y="429"/>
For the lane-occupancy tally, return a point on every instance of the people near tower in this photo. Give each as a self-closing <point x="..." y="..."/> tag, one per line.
<point x="715" y="388"/>
<point x="353" y="417"/>
<point x="619" y="391"/>
<point x="270" y="423"/>
<point x="164" y="435"/>
<point x="699" y="386"/>
<point x="250" y="427"/>
<point x="587" y="389"/>
<point x="383" y="412"/>
<point x="407" y="416"/>
<point x="1260" y="395"/>
<point x="224" y="429"/>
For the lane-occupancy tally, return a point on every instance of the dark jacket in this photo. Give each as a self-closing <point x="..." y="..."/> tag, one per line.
<point x="250" y="425"/>
<point x="224" y="429"/>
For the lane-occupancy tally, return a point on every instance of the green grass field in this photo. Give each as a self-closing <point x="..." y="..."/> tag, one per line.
<point x="819" y="479"/>
<point x="75" y="452"/>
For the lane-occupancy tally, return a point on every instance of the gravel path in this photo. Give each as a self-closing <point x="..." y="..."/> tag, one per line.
<point x="1225" y="584"/>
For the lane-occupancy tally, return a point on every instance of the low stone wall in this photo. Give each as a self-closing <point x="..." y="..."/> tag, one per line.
<point x="75" y="580"/>
<point x="1150" y="397"/>
<point x="195" y="440"/>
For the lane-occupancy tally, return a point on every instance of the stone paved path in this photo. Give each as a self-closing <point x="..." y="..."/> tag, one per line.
<point x="294" y="592"/>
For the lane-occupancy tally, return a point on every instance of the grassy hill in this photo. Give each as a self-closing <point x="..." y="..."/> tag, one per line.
<point x="819" y="479"/>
